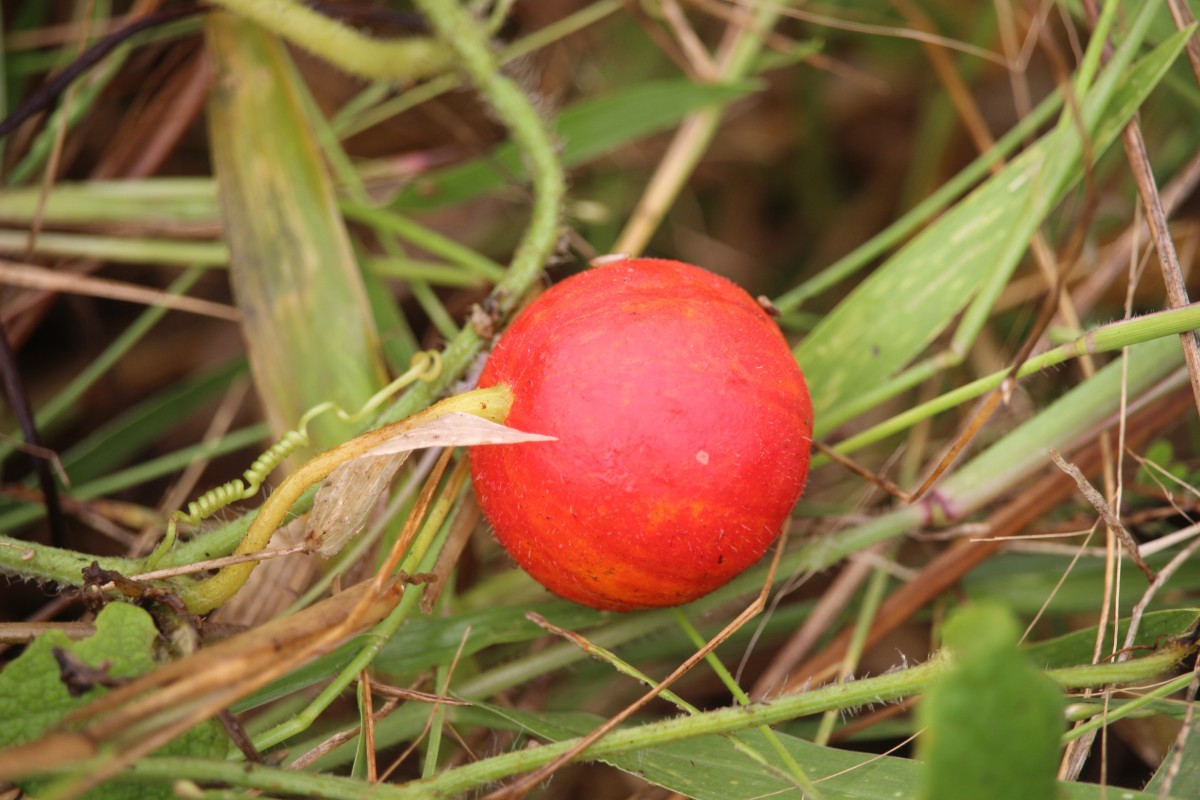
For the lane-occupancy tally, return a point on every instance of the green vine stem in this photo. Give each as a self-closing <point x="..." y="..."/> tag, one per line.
<point x="884" y="688"/>
<point x="359" y="115"/>
<point x="455" y="782"/>
<point x="410" y="58"/>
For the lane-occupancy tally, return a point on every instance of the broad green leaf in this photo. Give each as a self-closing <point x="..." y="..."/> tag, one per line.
<point x="1179" y="772"/>
<point x="991" y="726"/>
<point x="978" y="242"/>
<point x="33" y="698"/>
<point x="428" y="641"/>
<point x="586" y="129"/>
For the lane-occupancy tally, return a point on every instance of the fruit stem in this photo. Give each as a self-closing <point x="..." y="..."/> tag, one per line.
<point x="491" y="403"/>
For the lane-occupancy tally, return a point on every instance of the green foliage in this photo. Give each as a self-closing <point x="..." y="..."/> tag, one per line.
<point x="991" y="726"/>
<point x="586" y="130"/>
<point x="34" y="698"/>
<point x="1163" y="471"/>
<point x="766" y="191"/>
<point x="974" y="246"/>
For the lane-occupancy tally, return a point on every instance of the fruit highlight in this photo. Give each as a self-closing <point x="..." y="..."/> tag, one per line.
<point x="684" y="428"/>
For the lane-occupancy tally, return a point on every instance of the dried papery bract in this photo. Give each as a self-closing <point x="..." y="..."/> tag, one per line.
<point x="352" y="489"/>
<point x="492" y="403"/>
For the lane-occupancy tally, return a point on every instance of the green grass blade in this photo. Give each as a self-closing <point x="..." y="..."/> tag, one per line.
<point x="109" y="445"/>
<point x="57" y="408"/>
<point x="150" y="201"/>
<point x="1078" y="646"/>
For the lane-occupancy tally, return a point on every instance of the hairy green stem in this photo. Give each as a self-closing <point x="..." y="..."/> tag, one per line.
<point x="410" y="58"/>
<point x="881" y="689"/>
<point x="361" y="113"/>
<point x="454" y="782"/>
<point x="64" y="567"/>
<point x="462" y="32"/>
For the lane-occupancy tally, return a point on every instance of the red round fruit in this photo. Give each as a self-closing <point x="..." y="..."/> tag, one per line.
<point x="683" y="425"/>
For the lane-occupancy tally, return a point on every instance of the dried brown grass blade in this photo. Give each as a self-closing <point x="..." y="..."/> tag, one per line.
<point x="1101" y="505"/>
<point x="28" y="276"/>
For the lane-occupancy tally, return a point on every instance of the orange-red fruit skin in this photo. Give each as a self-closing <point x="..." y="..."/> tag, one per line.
<point x="683" y="424"/>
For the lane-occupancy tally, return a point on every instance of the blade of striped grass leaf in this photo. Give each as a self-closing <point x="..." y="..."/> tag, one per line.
<point x="930" y="280"/>
<point x="307" y="323"/>
<point x="1107" y="338"/>
<point x="923" y="211"/>
<point x="389" y="317"/>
